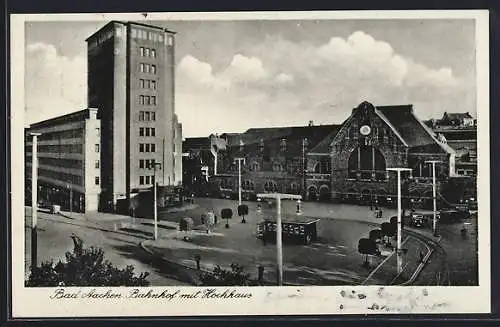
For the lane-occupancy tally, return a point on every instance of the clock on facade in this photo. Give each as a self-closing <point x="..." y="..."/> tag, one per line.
<point x="365" y="130"/>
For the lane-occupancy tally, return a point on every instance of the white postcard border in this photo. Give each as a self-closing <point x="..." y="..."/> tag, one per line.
<point x="36" y="302"/>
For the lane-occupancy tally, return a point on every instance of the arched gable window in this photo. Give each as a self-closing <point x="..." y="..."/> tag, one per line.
<point x="367" y="162"/>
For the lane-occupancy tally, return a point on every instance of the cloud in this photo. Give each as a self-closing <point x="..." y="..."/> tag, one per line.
<point x="270" y="82"/>
<point x="54" y="84"/>
<point x="298" y="82"/>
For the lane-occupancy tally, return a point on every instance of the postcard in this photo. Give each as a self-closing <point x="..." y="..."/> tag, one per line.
<point x="250" y="163"/>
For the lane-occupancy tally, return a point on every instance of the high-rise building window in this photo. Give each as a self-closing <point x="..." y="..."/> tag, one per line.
<point x="148" y="84"/>
<point x="97" y="131"/>
<point x="97" y="148"/>
<point x="141" y="147"/>
<point x="141" y="163"/>
<point x="141" y="115"/>
<point x="142" y="51"/>
<point x="153" y="147"/>
<point x="153" y="131"/>
<point x="142" y="83"/>
<point x="147" y="147"/>
<point x="148" y="115"/>
<point x="153" y="115"/>
<point x="148" y="100"/>
<point x="142" y="68"/>
<point x="147" y="52"/>
<point x="150" y="35"/>
<point x="147" y="131"/>
<point x="153" y="85"/>
<point x="141" y="131"/>
<point x="170" y="40"/>
<point x="147" y="180"/>
<point x="97" y="164"/>
<point x="97" y="180"/>
<point x="141" y="180"/>
<point x="147" y="68"/>
<point x="141" y="99"/>
<point x="153" y="53"/>
<point x="153" y="69"/>
<point x="153" y="100"/>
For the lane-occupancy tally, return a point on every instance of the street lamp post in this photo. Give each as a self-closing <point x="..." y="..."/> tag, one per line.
<point x="279" y="245"/>
<point x="239" y="160"/>
<point x="70" y="188"/>
<point x="34" y="200"/>
<point x="434" y="220"/>
<point x="155" y="201"/>
<point x="398" y="249"/>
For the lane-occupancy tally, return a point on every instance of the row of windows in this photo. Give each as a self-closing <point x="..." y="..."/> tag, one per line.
<point x="148" y="68"/>
<point x="148" y="84"/>
<point x="147" y="99"/>
<point x="147" y="147"/>
<point x="65" y="177"/>
<point x="147" y="52"/>
<point x="152" y="36"/>
<point x="147" y="116"/>
<point x="147" y="163"/>
<point x="61" y="148"/>
<point x="147" y="131"/>
<point x="146" y="180"/>
<point x="66" y="163"/>
<point x="67" y="134"/>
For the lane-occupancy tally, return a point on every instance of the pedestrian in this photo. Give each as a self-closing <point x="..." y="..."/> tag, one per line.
<point x="380" y="213"/>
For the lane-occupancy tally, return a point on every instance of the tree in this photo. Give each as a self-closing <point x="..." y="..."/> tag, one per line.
<point x="386" y="230"/>
<point x="394" y="221"/>
<point x="376" y="235"/>
<point x="227" y="214"/>
<point x="84" y="267"/>
<point x="223" y="277"/>
<point x="208" y="219"/>
<point x="186" y="224"/>
<point x="367" y="247"/>
<point x="242" y="212"/>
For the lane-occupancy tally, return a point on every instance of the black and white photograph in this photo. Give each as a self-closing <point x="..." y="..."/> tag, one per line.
<point x="247" y="157"/>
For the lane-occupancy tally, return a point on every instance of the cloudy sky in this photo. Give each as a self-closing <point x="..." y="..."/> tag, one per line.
<point x="233" y="75"/>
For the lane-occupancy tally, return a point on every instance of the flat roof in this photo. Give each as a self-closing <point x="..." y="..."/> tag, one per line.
<point x="84" y="113"/>
<point x="129" y="23"/>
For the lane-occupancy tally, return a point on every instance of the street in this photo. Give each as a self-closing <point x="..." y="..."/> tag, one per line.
<point x="332" y="260"/>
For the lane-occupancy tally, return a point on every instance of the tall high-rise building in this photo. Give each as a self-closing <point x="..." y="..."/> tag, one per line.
<point x="131" y="80"/>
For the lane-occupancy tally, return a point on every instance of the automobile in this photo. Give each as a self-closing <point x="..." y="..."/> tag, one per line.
<point x="422" y="219"/>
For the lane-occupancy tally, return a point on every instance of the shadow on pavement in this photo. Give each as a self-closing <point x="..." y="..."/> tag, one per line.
<point x="160" y="267"/>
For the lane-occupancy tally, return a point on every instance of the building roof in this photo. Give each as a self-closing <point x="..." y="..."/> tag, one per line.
<point x="76" y="115"/>
<point x="128" y="23"/>
<point x="411" y="129"/>
<point x="195" y="143"/>
<point x="457" y="115"/>
<point x="324" y="145"/>
<point x="255" y="135"/>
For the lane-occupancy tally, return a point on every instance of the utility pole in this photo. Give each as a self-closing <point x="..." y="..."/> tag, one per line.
<point x="239" y="160"/>
<point x="34" y="200"/>
<point x="155" y="201"/>
<point x="434" y="221"/>
<point x="399" y="231"/>
<point x="279" y="244"/>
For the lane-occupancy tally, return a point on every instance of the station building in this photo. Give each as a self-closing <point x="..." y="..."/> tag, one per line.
<point x="69" y="160"/>
<point x="352" y="161"/>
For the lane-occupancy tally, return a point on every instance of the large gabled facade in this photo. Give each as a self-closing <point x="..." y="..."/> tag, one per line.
<point x="371" y="140"/>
